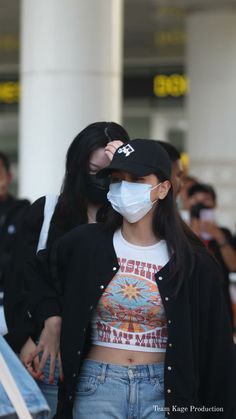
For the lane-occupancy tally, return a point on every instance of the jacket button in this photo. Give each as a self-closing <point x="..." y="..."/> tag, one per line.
<point x="160" y="278"/>
<point x="29" y="314"/>
<point x="74" y="375"/>
<point x="169" y="321"/>
<point x="168" y="390"/>
<point x="169" y="368"/>
<point x="70" y="397"/>
<point x="84" y="329"/>
<point x="114" y="268"/>
<point x="167" y="298"/>
<point x="91" y="307"/>
<point x="101" y="287"/>
<point x="170" y="345"/>
<point x="78" y="353"/>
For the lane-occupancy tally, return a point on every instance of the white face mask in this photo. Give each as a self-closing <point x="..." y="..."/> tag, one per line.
<point x="132" y="200"/>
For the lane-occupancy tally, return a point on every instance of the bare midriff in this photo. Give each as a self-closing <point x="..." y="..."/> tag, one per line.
<point x="124" y="357"/>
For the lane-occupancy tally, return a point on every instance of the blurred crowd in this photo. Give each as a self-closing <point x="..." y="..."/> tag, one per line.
<point x="197" y="205"/>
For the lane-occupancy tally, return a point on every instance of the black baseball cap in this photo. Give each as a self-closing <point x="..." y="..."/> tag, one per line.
<point x="139" y="157"/>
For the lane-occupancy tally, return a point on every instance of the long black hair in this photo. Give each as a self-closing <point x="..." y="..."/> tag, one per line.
<point x="182" y="243"/>
<point x="72" y="204"/>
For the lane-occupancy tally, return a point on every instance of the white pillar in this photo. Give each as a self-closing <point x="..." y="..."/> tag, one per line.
<point x="71" y="54"/>
<point x="165" y="120"/>
<point x="211" y="66"/>
<point x="159" y="126"/>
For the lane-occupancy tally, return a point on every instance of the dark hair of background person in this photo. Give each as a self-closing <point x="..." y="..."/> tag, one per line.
<point x="204" y="188"/>
<point x="173" y="153"/>
<point x="72" y="204"/>
<point x="189" y="178"/>
<point x="5" y="161"/>
<point x="168" y="225"/>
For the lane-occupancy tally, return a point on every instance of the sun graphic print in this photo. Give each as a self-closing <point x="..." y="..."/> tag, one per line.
<point x="131" y="291"/>
<point x="131" y="304"/>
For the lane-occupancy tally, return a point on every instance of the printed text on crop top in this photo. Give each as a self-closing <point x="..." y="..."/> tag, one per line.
<point x="130" y="314"/>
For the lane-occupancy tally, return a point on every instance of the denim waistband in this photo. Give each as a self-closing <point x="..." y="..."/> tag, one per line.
<point x="122" y="371"/>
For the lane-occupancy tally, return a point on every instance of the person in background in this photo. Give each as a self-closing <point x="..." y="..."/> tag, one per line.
<point x="82" y="200"/>
<point x="11" y="213"/>
<point x="144" y="327"/>
<point x="219" y="240"/>
<point x="183" y="198"/>
<point x="176" y="167"/>
<point x="187" y="182"/>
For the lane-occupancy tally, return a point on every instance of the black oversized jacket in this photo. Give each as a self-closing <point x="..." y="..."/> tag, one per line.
<point x="69" y="281"/>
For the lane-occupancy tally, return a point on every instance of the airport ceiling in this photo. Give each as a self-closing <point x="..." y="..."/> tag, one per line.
<point x="154" y="30"/>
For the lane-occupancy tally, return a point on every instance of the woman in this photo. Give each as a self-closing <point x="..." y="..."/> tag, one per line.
<point x="82" y="200"/>
<point x="144" y="332"/>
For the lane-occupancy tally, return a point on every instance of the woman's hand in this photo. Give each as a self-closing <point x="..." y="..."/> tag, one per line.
<point x="49" y="343"/>
<point x="25" y="354"/>
<point x="111" y="148"/>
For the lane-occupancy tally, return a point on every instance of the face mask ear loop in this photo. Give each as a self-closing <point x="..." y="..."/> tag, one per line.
<point x="154" y="187"/>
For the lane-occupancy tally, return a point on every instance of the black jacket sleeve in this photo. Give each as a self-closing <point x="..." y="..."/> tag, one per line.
<point x="218" y="355"/>
<point x="45" y="289"/>
<point x="46" y="273"/>
<point x="20" y="325"/>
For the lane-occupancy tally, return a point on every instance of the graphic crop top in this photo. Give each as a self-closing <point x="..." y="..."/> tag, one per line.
<point x="130" y="314"/>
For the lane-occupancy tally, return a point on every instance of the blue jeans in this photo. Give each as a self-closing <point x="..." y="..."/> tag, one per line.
<point x="111" y="391"/>
<point x="50" y="390"/>
<point x="25" y="383"/>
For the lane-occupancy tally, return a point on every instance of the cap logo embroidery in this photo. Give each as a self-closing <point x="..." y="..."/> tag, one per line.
<point x="127" y="150"/>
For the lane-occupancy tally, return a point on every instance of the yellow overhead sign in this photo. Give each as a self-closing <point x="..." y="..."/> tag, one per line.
<point x="9" y="92"/>
<point x="174" y="85"/>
